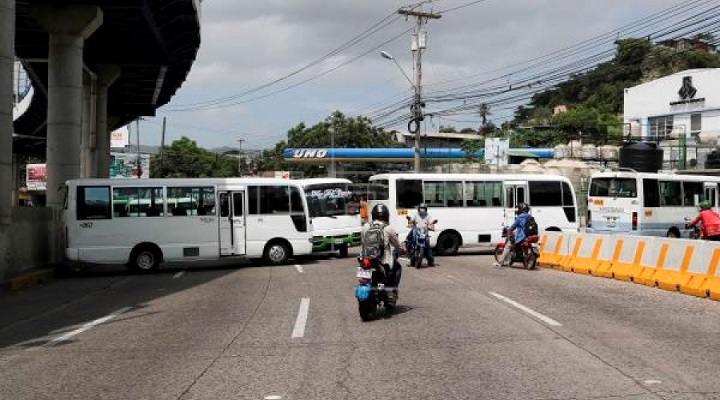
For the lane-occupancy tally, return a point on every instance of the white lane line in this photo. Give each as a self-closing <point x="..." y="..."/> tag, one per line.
<point x="179" y="274"/>
<point x="527" y="310"/>
<point x="301" y="320"/>
<point x="299" y="268"/>
<point x="85" y="327"/>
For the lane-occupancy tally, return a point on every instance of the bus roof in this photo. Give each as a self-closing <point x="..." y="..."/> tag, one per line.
<point x="460" y="177"/>
<point x="662" y="176"/>
<point x="323" y="181"/>
<point x="183" y="181"/>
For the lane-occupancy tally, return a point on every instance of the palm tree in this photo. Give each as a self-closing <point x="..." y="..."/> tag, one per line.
<point x="484" y="113"/>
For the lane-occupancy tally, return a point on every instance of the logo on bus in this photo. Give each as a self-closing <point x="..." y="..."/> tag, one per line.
<point x="598" y="202"/>
<point x="310" y="153"/>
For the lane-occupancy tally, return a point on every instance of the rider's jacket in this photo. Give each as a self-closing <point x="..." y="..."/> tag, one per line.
<point x="710" y="223"/>
<point x="518" y="227"/>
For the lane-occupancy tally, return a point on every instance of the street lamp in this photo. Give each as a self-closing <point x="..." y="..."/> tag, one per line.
<point x="416" y="109"/>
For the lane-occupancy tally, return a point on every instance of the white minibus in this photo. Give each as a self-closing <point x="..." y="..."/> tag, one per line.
<point x="652" y="204"/>
<point x="334" y="212"/>
<point x="471" y="209"/>
<point x="143" y="222"/>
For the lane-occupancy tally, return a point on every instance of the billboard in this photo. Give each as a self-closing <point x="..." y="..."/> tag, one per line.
<point x="125" y="165"/>
<point x="120" y="138"/>
<point x="496" y="151"/>
<point x="36" y="177"/>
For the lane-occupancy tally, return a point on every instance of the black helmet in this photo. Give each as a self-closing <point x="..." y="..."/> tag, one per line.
<point x="380" y="213"/>
<point x="523" y="208"/>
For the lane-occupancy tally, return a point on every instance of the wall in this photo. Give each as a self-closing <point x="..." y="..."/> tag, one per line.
<point x="30" y="239"/>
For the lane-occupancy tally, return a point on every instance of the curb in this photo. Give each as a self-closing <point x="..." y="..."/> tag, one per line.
<point x="27" y="280"/>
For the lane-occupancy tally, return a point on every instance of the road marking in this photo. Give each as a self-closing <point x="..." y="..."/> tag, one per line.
<point x="273" y="397"/>
<point x="179" y="274"/>
<point x="527" y="310"/>
<point x="301" y="320"/>
<point x="299" y="268"/>
<point x="652" y="382"/>
<point x="85" y="327"/>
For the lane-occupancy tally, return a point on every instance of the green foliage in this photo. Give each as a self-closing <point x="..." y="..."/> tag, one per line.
<point x="346" y="132"/>
<point x="471" y="146"/>
<point x="447" y="129"/>
<point x="184" y="159"/>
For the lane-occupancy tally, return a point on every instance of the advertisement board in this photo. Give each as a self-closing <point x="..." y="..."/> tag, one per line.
<point x="496" y="151"/>
<point x="36" y="177"/>
<point x="119" y="138"/>
<point x="125" y="165"/>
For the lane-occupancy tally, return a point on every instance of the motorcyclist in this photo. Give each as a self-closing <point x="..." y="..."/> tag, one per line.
<point x="517" y="230"/>
<point x="709" y="222"/>
<point x="381" y="215"/>
<point x="422" y="220"/>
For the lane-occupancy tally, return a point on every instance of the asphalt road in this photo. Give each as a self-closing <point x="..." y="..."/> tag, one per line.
<point x="464" y="330"/>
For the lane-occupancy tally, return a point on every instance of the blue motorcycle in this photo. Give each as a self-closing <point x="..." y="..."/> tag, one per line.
<point x="418" y="244"/>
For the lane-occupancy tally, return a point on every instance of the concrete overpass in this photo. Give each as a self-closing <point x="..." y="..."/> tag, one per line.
<point x="95" y="65"/>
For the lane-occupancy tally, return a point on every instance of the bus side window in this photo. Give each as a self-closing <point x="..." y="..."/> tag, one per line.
<point x="651" y="193"/>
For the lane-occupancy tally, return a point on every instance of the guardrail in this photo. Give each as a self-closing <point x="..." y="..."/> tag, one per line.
<point x="688" y="266"/>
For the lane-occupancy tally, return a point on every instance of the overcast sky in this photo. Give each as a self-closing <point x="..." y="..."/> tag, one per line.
<point x="249" y="43"/>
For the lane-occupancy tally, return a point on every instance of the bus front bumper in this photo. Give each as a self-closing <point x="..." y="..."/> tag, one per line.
<point x="330" y="243"/>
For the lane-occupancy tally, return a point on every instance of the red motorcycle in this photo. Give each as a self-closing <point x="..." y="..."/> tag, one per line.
<point x="526" y="252"/>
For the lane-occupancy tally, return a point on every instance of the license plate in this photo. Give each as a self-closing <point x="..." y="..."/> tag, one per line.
<point x="364" y="273"/>
<point x="338" y="241"/>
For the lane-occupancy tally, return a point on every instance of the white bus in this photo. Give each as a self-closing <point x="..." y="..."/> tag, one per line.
<point x="630" y="202"/>
<point x="146" y="221"/>
<point x="334" y="212"/>
<point x="472" y="208"/>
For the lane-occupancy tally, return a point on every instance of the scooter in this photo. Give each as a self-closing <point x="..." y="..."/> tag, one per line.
<point x="527" y="252"/>
<point x="372" y="289"/>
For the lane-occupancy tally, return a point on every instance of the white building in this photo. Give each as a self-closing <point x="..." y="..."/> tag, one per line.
<point x="686" y="102"/>
<point x="683" y="104"/>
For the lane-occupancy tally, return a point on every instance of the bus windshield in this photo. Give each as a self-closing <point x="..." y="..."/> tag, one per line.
<point x="330" y="200"/>
<point x="613" y="187"/>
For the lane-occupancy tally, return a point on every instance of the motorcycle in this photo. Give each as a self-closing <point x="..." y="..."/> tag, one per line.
<point x="526" y="252"/>
<point x="695" y="233"/>
<point x="372" y="288"/>
<point x="419" y="241"/>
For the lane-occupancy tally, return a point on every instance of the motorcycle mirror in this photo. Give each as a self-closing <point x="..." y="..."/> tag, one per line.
<point x="435" y="222"/>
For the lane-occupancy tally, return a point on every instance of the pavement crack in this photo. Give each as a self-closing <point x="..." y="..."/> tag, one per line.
<point x="233" y="340"/>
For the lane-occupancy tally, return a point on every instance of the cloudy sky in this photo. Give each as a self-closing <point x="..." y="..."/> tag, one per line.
<point x="246" y="44"/>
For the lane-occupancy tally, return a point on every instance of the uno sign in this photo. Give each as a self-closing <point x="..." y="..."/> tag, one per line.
<point x="310" y="153"/>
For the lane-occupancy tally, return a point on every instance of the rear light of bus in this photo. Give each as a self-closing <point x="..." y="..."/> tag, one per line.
<point x="634" y="221"/>
<point x="589" y="219"/>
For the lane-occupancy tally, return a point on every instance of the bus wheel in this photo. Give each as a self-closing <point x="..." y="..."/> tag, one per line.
<point x="145" y="258"/>
<point x="276" y="253"/>
<point x="448" y="243"/>
<point x="673" y="233"/>
<point x="343" y="251"/>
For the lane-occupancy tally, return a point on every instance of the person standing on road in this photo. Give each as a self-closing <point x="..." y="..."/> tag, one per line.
<point x="709" y="222"/>
<point x="363" y="210"/>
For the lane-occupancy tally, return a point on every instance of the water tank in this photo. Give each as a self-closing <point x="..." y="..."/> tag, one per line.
<point x="641" y="156"/>
<point x="589" y="152"/>
<point x="608" y="152"/>
<point x="713" y="160"/>
<point x="561" y="151"/>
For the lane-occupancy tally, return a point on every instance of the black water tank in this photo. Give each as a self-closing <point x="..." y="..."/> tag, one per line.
<point x="641" y="156"/>
<point x="713" y="160"/>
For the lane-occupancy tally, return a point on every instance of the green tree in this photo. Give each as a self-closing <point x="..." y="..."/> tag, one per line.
<point x="447" y="129"/>
<point x="185" y="159"/>
<point x="470" y="147"/>
<point x="345" y="132"/>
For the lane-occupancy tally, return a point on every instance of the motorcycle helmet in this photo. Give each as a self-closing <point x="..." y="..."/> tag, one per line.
<point x="380" y="213"/>
<point x="522" y="208"/>
<point x="705" y="205"/>
<point x="422" y="209"/>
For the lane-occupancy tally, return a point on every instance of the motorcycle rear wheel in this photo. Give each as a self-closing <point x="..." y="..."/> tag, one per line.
<point x="529" y="259"/>
<point x="366" y="309"/>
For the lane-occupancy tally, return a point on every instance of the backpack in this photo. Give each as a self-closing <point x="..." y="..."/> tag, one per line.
<point x="373" y="242"/>
<point x="531" y="227"/>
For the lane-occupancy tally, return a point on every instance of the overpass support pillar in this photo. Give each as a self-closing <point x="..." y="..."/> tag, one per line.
<point x="106" y="76"/>
<point x="7" y="58"/>
<point x="68" y="26"/>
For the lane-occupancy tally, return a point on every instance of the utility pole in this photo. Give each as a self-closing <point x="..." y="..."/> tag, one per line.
<point x="162" y="149"/>
<point x="138" y="163"/>
<point x="418" y="45"/>
<point x="240" y="142"/>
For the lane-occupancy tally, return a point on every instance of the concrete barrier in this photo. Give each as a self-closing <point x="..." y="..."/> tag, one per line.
<point x="688" y="266"/>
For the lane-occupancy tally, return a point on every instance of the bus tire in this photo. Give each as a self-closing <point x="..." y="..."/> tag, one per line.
<point x="448" y="243"/>
<point x="343" y="251"/>
<point x="145" y="258"/>
<point x="277" y="252"/>
<point x="673" y="233"/>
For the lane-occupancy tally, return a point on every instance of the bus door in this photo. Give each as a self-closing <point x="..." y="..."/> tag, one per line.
<point x="232" y="223"/>
<point x="516" y="192"/>
<point x="711" y="194"/>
